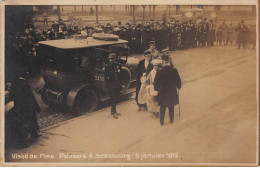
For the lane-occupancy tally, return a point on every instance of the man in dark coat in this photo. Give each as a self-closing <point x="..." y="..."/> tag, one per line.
<point x="26" y="107"/>
<point x="166" y="81"/>
<point x="113" y="78"/>
<point x="144" y="66"/>
<point x="242" y="32"/>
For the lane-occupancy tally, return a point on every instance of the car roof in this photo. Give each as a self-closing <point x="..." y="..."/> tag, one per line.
<point x="80" y="43"/>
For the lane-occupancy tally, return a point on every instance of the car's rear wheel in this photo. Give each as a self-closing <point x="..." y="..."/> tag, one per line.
<point x="85" y="102"/>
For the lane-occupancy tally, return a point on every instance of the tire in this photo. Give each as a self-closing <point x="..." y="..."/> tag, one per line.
<point x="86" y="102"/>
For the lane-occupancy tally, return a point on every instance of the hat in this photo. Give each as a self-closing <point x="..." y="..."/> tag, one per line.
<point x="242" y="21"/>
<point x="156" y="62"/>
<point x="112" y="56"/>
<point x="165" y="57"/>
<point x="151" y="42"/>
<point x="147" y="52"/>
<point x="166" y="51"/>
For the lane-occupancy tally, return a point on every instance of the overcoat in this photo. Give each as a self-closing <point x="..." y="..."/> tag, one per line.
<point x="140" y="69"/>
<point x="166" y="82"/>
<point x="242" y="32"/>
<point x="224" y="30"/>
<point x="25" y="104"/>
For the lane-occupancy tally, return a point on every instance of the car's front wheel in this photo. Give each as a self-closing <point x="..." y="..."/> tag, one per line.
<point x="86" y="101"/>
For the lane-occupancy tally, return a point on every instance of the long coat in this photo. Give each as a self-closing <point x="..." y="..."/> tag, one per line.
<point x="166" y="81"/>
<point x="224" y="30"/>
<point x="242" y="33"/>
<point x="140" y="69"/>
<point x="113" y="79"/>
<point x="26" y="105"/>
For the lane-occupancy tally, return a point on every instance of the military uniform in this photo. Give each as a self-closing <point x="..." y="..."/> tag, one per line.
<point x="166" y="81"/>
<point x="211" y="34"/>
<point x="242" y="32"/>
<point x="113" y="78"/>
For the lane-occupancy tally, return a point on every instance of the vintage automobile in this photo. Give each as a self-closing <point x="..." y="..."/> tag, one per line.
<point x="73" y="71"/>
<point x="194" y="14"/>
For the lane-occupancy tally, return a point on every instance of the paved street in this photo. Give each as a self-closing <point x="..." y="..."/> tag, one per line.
<point x="217" y="125"/>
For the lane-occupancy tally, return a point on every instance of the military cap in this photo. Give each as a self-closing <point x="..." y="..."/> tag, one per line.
<point x="112" y="56"/>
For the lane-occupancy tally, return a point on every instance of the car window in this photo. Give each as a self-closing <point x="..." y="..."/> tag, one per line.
<point x="101" y="58"/>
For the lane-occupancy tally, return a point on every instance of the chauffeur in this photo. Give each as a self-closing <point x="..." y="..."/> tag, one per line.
<point x="113" y="78"/>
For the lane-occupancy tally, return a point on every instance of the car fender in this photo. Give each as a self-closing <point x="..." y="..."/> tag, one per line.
<point x="130" y="77"/>
<point x="73" y="93"/>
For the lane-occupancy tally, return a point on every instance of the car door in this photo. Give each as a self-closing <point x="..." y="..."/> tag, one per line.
<point x="100" y="61"/>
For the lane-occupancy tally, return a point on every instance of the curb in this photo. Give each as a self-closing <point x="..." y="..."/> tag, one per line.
<point x="73" y="119"/>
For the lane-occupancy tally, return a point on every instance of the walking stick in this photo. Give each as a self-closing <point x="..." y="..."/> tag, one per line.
<point x="179" y="104"/>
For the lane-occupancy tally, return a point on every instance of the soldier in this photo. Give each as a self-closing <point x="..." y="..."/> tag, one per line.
<point x="45" y="19"/>
<point x="224" y="30"/>
<point x="242" y="31"/>
<point x="253" y="36"/>
<point x="166" y="81"/>
<point x="231" y="34"/>
<point x="219" y="36"/>
<point x="200" y="34"/>
<point x="113" y="78"/>
<point x="211" y="34"/>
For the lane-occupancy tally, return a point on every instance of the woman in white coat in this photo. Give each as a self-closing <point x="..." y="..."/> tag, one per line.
<point x="152" y="103"/>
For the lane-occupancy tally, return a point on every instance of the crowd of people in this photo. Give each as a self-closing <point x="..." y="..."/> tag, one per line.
<point x="172" y="34"/>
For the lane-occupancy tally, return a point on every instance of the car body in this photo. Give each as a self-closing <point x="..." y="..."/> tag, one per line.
<point x="73" y="71"/>
<point x="193" y="14"/>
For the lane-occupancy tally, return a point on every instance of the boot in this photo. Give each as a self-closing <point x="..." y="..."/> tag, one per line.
<point x="115" y="116"/>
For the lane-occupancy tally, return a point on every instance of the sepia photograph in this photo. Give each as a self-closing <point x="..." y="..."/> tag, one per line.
<point x="129" y="84"/>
